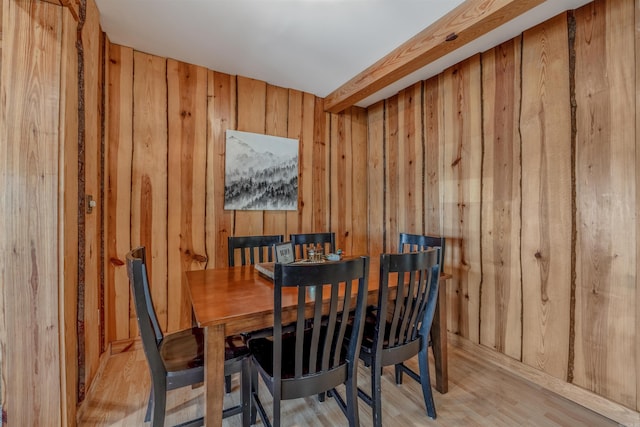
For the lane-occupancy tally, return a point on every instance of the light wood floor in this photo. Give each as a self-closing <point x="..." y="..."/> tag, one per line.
<point x="480" y="394"/>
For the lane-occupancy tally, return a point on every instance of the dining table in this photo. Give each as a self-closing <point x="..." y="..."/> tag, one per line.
<point x="233" y="300"/>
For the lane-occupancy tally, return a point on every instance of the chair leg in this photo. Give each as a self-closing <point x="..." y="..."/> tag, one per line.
<point x="425" y="381"/>
<point x="254" y="390"/>
<point x="352" y="401"/>
<point x="147" y="416"/>
<point x="398" y="369"/>
<point x="376" y="393"/>
<point x="245" y="391"/>
<point x="276" y="411"/>
<point x="227" y="384"/>
<point x="159" y="405"/>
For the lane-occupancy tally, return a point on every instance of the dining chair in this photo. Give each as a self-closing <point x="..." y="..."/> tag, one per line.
<point x="302" y="241"/>
<point x="399" y="327"/>
<point x="177" y="360"/>
<point x="418" y="242"/>
<point x="316" y="356"/>
<point x="251" y="249"/>
<point x="250" y="246"/>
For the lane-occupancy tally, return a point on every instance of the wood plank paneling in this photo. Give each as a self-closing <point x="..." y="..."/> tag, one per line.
<point x="187" y="162"/>
<point x="306" y="176"/>
<point x="376" y="182"/>
<point x="410" y="161"/>
<point x="321" y="168"/>
<point x="501" y="297"/>
<point x="296" y="120"/>
<point x="637" y="184"/>
<point x="31" y="212"/>
<point x="545" y="125"/>
<point x="68" y="200"/>
<point x="605" y="200"/>
<point x="433" y="157"/>
<point x="92" y="60"/>
<point x="251" y="118"/>
<point x="277" y="109"/>
<point x="341" y="189"/>
<point x="392" y="178"/>
<point x="119" y="149"/>
<point x="359" y="243"/>
<point x="149" y="172"/>
<point x="462" y="191"/>
<point x="221" y="116"/>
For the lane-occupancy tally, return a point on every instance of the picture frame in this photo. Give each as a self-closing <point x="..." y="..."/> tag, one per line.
<point x="284" y="253"/>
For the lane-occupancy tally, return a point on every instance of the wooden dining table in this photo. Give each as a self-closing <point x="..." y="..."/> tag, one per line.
<point x="233" y="300"/>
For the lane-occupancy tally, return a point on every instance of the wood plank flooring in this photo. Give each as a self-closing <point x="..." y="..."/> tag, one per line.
<point x="480" y="394"/>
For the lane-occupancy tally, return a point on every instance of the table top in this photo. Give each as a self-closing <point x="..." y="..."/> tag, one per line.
<point x="225" y="295"/>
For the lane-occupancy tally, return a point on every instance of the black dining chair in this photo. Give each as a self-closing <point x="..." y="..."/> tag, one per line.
<point x="316" y="356"/>
<point x="398" y="329"/>
<point x="252" y="249"/>
<point x="247" y="250"/>
<point x="302" y="241"/>
<point x="418" y="242"/>
<point x="177" y="360"/>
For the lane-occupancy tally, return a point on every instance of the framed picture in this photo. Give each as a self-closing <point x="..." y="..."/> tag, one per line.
<point x="284" y="253"/>
<point x="261" y="172"/>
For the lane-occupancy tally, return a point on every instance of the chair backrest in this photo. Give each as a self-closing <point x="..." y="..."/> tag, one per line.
<point x="320" y="361"/>
<point x="301" y="241"/>
<point x="249" y="246"/>
<point x="150" y="332"/>
<point x="405" y="313"/>
<point x="418" y="242"/>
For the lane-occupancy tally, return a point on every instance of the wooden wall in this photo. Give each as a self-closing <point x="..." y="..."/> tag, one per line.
<point x="38" y="218"/>
<point x="528" y="151"/>
<point x="166" y="123"/>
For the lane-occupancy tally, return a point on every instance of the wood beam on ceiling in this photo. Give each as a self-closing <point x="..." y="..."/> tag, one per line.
<point x="467" y="22"/>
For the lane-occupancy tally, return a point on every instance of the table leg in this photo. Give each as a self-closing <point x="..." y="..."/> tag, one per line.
<point x="439" y="339"/>
<point x="214" y="374"/>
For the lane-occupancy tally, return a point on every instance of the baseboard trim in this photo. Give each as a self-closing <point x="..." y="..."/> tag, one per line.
<point x="612" y="410"/>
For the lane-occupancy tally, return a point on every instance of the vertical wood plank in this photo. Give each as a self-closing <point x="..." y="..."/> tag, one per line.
<point x="392" y="178"/>
<point x="295" y="124"/>
<point x="376" y="178"/>
<point x="93" y="177"/>
<point x="433" y="159"/>
<point x="321" y="167"/>
<point x="360" y="167"/>
<point x="308" y="177"/>
<point x="119" y="125"/>
<point x="501" y="299"/>
<point x="251" y="118"/>
<point x="605" y="199"/>
<point x="68" y="200"/>
<point x="637" y="184"/>
<point x="410" y="160"/>
<point x="545" y="126"/>
<point x="30" y="212"/>
<point x="276" y="123"/>
<point x="187" y="115"/>
<point x="461" y="201"/>
<point x="221" y="116"/>
<point x="149" y="174"/>
<point x="342" y="180"/>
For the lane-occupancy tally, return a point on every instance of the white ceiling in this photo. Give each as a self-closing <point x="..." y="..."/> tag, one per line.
<point x="309" y="45"/>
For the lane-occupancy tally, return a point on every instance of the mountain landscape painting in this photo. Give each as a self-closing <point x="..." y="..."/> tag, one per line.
<point x="261" y="172"/>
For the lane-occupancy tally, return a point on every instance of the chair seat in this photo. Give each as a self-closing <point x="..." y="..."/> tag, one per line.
<point x="185" y="349"/>
<point x="262" y="351"/>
